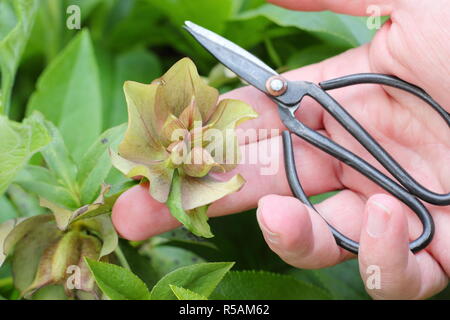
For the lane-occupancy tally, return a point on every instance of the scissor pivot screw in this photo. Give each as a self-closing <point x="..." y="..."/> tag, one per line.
<point x="276" y="86"/>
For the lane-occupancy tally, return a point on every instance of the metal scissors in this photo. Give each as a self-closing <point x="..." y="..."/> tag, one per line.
<point x="288" y="96"/>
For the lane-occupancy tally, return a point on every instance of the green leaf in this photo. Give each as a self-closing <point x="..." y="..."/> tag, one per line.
<point x="135" y="65"/>
<point x="231" y="232"/>
<point x="19" y="142"/>
<point x="312" y="54"/>
<point x="96" y="163"/>
<point x="165" y="259"/>
<point x="182" y="238"/>
<point x="61" y="166"/>
<point x="7" y="209"/>
<point x="196" y="220"/>
<point x="41" y="181"/>
<point x="51" y="292"/>
<point x="139" y="263"/>
<point x="186" y="294"/>
<point x="116" y="282"/>
<point x="352" y="30"/>
<point x="27" y="204"/>
<point x="68" y="94"/>
<point x="64" y="217"/>
<point x="13" y="43"/>
<point x="258" y="285"/>
<point x="140" y="25"/>
<point x="201" y="278"/>
<point x="212" y="15"/>
<point x="198" y="11"/>
<point x="342" y="281"/>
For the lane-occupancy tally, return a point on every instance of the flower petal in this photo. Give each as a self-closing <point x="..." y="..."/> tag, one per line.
<point x="230" y="113"/>
<point x="23" y="228"/>
<point x="197" y="192"/>
<point x="196" y="220"/>
<point x="224" y="146"/>
<point x="141" y="141"/>
<point x="199" y="163"/>
<point x="171" y="130"/>
<point x="179" y="84"/>
<point x="159" y="175"/>
<point x="5" y="228"/>
<point x="190" y="115"/>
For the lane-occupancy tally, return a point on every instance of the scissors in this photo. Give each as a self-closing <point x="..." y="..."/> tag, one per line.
<point x="288" y="96"/>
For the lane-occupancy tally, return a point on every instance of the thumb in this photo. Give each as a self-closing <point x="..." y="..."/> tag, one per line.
<point x="387" y="266"/>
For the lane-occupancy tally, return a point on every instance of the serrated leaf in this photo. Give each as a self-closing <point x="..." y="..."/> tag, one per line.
<point x="13" y="44"/>
<point x="260" y="285"/>
<point x="140" y="264"/>
<point x="186" y="294"/>
<point x="68" y="94"/>
<point x="19" y="142"/>
<point x="118" y="283"/>
<point x="201" y="278"/>
<point x="165" y="259"/>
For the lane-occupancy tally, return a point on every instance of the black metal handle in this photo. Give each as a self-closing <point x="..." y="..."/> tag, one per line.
<point x="413" y="188"/>
<point x="352" y="126"/>
<point x="356" y="163"/>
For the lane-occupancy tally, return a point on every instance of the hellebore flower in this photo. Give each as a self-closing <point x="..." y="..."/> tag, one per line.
<point x="177" y="134"/>
<point x="49" y="249"/>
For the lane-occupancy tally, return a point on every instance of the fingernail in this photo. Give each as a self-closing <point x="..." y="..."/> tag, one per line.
<point x="271" y="236"/>
<point x="378" y="219"/>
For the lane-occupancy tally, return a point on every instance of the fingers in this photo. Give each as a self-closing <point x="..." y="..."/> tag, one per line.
<point x="389" y="269"/>
<point x="301" y="237"/>
<point x="355" y="7"/>
<point x="137" y="216"/>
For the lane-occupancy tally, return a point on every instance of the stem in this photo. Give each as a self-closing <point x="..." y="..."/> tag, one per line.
<point x="6" y="282"/>
<point x="123" y="261"/>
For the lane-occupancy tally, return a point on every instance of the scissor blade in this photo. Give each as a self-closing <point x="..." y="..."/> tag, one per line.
<point x="238" y="60"/>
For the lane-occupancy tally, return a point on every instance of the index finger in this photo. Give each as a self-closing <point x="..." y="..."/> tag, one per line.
<point x="354" y="7"/>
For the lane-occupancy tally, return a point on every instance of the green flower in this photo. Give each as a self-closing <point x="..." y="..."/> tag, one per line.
<point x="50" y="249"/>
<point x="177" y="134"/>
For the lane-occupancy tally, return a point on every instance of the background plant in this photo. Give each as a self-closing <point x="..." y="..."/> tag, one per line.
<point x="62" y="106"/>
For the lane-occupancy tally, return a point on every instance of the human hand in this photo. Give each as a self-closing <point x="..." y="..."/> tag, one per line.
<point x="413" y="46"/>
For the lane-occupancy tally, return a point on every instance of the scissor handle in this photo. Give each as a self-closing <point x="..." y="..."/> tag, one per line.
<point x="352" y="126"/>
<point x="359" y="164"/>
